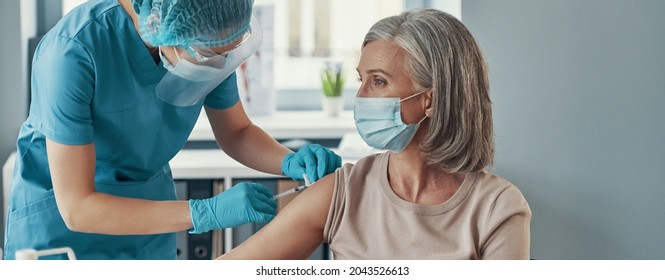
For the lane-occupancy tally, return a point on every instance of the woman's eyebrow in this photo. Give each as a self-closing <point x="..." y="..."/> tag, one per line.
<point x="372" y="71"/>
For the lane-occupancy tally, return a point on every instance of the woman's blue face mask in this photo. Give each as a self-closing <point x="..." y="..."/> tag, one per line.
<point x="379" y="122"/>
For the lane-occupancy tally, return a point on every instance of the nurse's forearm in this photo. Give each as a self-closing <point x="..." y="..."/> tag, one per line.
<point x="245" y="142"/>
<point x="256" y="149"/>
<point x="107" y="214"/>
<point x="84" y="209"/>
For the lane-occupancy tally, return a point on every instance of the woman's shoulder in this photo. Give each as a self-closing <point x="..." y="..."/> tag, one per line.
<point x="364" y="165"/>
<point x="367" y="169"/>
<point x="492" y="182"/>
<point x="496" y="188"/>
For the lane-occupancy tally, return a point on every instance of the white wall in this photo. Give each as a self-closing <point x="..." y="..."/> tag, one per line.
<point x="453" y="7"/>
<point x="13" y="15"/>
<point x="579" y="91"/>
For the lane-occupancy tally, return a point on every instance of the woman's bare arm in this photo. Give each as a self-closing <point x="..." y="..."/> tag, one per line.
<point x="296" y="231"/>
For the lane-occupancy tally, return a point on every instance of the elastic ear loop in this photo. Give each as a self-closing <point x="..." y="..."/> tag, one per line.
<point x="412" y="96"/>
<point x="176" y="53"/>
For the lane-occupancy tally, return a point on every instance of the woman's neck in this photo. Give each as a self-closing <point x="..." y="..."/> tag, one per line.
<point x="412" y="180"/>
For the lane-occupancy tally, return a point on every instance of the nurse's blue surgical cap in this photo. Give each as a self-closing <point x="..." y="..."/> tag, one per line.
<point x="181" y="23"/>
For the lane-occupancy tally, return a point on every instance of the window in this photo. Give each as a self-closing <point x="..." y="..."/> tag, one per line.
<point x="68" y="5"/>
<point x="301" y="35"/>
<point x="307" y="33"/>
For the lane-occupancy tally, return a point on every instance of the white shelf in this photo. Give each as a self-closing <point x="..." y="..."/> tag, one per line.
<point x="289" y="125"/>
<point x="7" y="173"/>
<point x="210" y="164"/>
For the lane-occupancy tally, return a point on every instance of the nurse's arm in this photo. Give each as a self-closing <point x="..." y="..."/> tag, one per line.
<point x="245" y="142"/>
<point x="85" y="210"/>
<point x="296" y="231"/>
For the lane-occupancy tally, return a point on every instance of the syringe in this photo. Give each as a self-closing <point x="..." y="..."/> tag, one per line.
<point x="294" y="190"/>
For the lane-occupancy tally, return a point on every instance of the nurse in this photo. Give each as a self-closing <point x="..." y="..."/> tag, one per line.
<point x="117" y="88"/>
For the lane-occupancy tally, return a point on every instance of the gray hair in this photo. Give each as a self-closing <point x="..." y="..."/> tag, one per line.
<point x="443" y="55"/>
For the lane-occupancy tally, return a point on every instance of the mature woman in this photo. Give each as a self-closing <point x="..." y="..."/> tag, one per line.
<point x="424" y="98"/>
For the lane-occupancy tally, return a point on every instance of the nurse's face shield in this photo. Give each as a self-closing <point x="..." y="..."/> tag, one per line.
<point x="200" y="69"/>
<point x="204" y="55"/>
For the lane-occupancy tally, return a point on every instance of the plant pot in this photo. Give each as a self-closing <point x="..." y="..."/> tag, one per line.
<point x="332" y="105"/>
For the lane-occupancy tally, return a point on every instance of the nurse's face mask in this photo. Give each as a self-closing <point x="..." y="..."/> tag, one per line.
<point x="379" y="122"/>
<point x="199" y="69"/>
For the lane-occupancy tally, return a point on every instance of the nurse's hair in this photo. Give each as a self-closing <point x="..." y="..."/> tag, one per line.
<point x="211" y="23"/>
<point x="443" y="55"/>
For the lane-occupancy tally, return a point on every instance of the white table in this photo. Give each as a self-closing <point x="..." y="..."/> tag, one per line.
<point x="289" y="125"/>
<point x="7" y="172"/>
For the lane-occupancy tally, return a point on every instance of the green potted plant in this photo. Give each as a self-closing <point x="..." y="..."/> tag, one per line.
<point x="332" y="84"/>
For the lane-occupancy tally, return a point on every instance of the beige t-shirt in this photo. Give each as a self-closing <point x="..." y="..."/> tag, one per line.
<point x="487" y="218"/>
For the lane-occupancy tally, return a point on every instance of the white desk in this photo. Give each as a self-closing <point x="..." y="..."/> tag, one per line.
<point x="7" y="173"/>
<point x="206" y="164"/>
<point x="289" y="125"/>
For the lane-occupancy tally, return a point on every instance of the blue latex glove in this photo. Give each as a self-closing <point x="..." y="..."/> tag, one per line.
<point x="243" y="203"/>
<point x="314" y="160"/>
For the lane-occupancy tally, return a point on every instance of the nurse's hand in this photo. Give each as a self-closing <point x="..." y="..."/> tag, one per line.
<point x="314" y="160"/>
<point x="243" y="203"/>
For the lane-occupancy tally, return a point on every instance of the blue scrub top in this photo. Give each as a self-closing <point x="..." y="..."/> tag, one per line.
<point x="93" y="81"/>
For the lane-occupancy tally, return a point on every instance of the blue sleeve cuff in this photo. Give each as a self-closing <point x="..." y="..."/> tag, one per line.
<point x="225" y="95"/>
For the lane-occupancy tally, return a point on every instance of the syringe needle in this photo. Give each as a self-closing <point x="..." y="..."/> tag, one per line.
<point x="291" y="191"/>
<point x="294" y="190"/>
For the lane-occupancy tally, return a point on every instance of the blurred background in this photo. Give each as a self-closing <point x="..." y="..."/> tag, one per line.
<point x="578" y="89"/>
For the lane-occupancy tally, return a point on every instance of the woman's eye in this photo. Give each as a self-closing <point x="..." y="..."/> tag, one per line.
<point x="379" y="82"/>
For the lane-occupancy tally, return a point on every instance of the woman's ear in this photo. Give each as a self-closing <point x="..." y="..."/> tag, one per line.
<point x="428" y="103"/>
